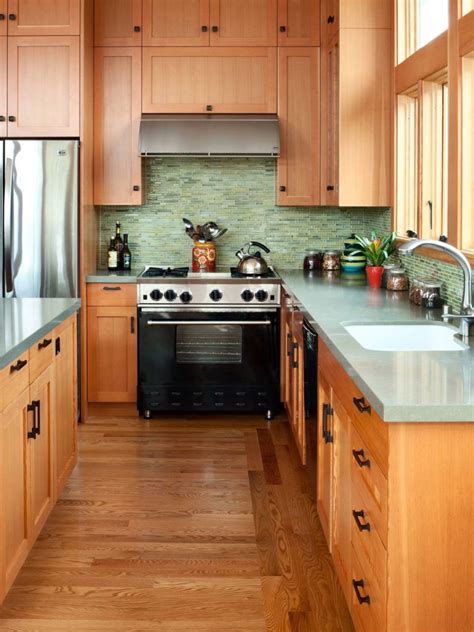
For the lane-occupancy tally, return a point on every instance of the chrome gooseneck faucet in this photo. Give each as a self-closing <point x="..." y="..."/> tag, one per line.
<point x="466" y="317"/>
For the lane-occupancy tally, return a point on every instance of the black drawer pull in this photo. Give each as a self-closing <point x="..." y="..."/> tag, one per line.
<point x="331" y="19"/>
<point x="359" y="456"/>
<point x="209" y="108"/>
<point x="327" y="412"/>
<point x="330" y="187"/>
<point x="31" y="434"/>
<point x="46" y="342"/>
<point x="132" y="325"/>
<point x="106" y="288"/>
<point x="359" y="583"/>
<point x="361" y="405"/>
<point x="37" y="405"/>
<point x="362" y="526"/>
<point x="18" y="366"/>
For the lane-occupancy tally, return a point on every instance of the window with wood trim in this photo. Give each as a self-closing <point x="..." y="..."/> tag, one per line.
<point x="407" y="163"/>
<point x="467" y="6"/>
<point x="467" y="163"/>
<point x="418" y="23"/>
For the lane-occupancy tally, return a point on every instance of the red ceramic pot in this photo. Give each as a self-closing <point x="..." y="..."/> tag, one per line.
<point x="374" y="275"/>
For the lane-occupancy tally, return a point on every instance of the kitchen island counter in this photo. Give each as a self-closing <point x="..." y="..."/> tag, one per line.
<point x="402" y="386"/>
<point x="24" y="321"/>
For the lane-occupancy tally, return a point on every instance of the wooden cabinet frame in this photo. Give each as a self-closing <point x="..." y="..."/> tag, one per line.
<point x="102" y="11"/>
<point x="37" y="25"/>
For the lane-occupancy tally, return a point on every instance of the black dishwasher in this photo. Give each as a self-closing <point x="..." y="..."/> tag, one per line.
<point x="311" y="400"/>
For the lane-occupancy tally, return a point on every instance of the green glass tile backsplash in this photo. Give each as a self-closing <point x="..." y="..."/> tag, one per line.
<point x="239" y="194"/>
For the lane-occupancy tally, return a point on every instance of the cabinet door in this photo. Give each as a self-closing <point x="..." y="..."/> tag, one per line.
<point x="43" y="87"/>
<point x="112" y="354"/>
<point x="44" y="17"/>
<point x="117" y="111"/>
<point x="41" y="459"/>
<point x="176" y="22"/>
<point x="298" y="23"/>
<point x="65" y="427"/>
<point x="243" y="22"/>
<point x="118" y="23"/>
<point x="15" y="421"/>
<point x="199" y="80"/>
<point x="325" y="494"/>
<point x="3" y="17"/>
<point x="3" y="86"/>
<point x="330" y="126"/>
<point x="298" y="165"/>
<point x="341" y="538"/>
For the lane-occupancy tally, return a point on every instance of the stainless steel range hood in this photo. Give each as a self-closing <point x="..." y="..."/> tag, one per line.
<point x="210" y="135"/>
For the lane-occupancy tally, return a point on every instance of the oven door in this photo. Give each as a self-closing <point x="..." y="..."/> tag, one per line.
<point x="208" y="359"/>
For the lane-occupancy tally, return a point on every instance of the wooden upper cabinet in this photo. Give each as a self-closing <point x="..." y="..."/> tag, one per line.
<point x="298" y="181"/>
<point x="43" y="86"/>
<point x="298" y="23"/>
<point x="3" y="17"/>
<point x="243" y="22"/>
<point x="200" y="80"/>
<point x="44" y="17"/>
<point x="3" y="86"/>
<point x="117" y="112"/>
<point x="118" y="22"/>
<point x="176" y="22"/>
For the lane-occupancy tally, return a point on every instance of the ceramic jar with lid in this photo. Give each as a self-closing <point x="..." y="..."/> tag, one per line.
<point x="332" y="260"/>
<point x="397" y="280"/>
<point x="313" y="260"/>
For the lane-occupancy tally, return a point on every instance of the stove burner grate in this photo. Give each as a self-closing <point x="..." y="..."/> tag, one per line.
<point x="166" y="272"/>
<point x="235" y="274"/>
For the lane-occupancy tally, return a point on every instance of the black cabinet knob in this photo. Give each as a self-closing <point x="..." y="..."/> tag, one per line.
<point x="156" y="295"/>
<point x="2" y="16"/>
<point x="170" y="295"/>
<point x="209" y="108"/>
<point x="3" y="119"/>
<point x="330" y="187"/>
<point x="247" y="295"/>
<point x="12" y="17"/>
<point x="137" y="29"/>
<point x="136" y="187"/>
<point x="204" y="29"/>
<point x="12" y="119"/>
<point x="282" y="29"/>
<point x="282" y="189"/>
<point x="331" y="19"/>
<point x="215" y="295"/>
<point x="215" y="29"/>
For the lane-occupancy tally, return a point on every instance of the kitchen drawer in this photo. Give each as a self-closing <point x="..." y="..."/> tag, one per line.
<point x="366" y="421"/>
<point x="41" y="355"/>
<point x="366" y="541"/>
<point x="112" y="294"/>
<point x="369" y="614"/>
<point x="369" y="485"/>
<point x="14" y="379"/>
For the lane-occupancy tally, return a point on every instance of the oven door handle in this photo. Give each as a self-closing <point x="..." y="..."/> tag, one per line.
<point x="206" y="323"/>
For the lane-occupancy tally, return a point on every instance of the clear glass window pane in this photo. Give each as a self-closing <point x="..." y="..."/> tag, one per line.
<point x="467" y="5"/>
<point x="407" y="164"/>
<point x="432" y="20"/>
<point x="209" y="344"/>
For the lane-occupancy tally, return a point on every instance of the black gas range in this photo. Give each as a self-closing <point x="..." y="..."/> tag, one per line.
<point x="208" y="341"/>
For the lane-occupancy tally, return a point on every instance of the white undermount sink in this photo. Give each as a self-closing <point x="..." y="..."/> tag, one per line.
<point x="406" y="337"/>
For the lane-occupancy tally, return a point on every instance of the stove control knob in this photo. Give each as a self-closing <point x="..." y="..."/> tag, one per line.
<point x="156" y="295"/>
<point x="186" y="297"/>
<point x="247" y="295"/>
<point x="261" y="296"/>
<point x="215" y="295"/>
<point x="170" y="295"/>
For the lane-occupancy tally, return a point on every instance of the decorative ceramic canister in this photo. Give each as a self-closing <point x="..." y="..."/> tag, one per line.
<point x="204" y="257"/>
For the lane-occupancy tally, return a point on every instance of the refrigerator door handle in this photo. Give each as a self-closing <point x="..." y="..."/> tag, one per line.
<point x="8" y="226"/>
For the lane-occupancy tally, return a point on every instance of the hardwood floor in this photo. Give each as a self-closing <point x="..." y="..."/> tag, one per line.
<point x="181" y="525"/>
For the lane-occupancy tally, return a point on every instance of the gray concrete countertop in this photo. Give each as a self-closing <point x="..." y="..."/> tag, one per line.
<point x="402" y="386"/>
<point x="116" y="276"/>
<point x="24" y="321"/>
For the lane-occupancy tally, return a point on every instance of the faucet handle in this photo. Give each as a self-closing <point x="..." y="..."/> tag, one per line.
<point x="446" y="309"/>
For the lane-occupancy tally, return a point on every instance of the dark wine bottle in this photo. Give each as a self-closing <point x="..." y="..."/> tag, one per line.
<point x="127" y="255"/>
<point x="118" y="245"/>
<point x="112" y="256"/>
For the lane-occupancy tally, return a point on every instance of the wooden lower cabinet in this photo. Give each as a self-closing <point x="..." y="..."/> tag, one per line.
<point x="396" y="504"/>
<point x="112" y="354"/>
<point x="33" y="424"/>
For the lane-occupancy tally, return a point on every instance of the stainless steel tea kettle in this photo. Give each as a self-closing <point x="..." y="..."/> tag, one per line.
<point x="252" y="263"/>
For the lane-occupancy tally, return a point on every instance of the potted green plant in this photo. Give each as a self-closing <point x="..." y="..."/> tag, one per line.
<point x="377" y="250"/>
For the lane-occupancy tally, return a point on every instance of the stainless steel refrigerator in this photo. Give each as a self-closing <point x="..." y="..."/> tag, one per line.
<point x="39" y="218"/>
